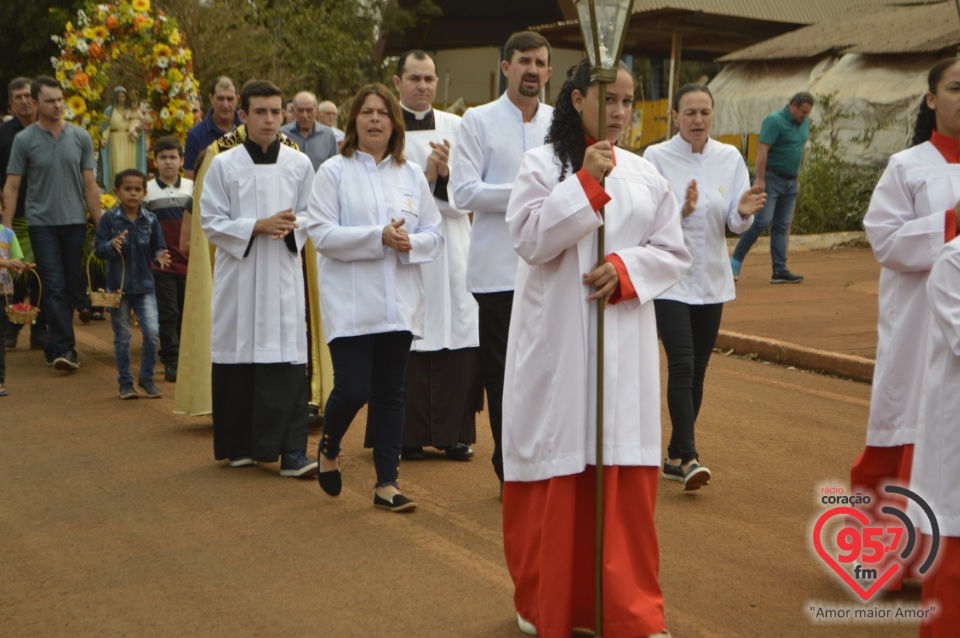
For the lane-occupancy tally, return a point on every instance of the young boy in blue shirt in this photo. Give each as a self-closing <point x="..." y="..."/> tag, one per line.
<point x="130" y="232"/>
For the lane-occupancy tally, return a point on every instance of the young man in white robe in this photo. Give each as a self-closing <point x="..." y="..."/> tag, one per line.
<point x="253" y="207"/>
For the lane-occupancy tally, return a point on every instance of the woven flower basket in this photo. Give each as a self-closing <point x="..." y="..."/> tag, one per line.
<point x="101" y="297"/>
<point x="24" y="313"/>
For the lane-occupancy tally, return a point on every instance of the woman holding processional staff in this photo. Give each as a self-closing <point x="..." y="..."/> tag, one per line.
<point x="549" y="396"/>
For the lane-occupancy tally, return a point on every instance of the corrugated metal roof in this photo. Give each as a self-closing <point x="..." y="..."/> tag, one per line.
<point x="796" y="11"/>
<point x="924" y="28"/>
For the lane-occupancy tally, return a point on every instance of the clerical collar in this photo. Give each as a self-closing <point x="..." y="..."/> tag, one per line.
<point x="948" y="146"/>
<point x="418" y="120"/>
<point x="257" y="154"/>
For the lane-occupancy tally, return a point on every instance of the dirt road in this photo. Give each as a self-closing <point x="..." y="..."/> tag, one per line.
<point x="115" y="520"/>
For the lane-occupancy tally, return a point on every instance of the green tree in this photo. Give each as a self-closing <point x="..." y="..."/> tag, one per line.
<point x="834" y="193"/>
<point x="25" y="37"/>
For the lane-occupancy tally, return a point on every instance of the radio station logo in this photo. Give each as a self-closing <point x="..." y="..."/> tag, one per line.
<point x="867" y="553"/>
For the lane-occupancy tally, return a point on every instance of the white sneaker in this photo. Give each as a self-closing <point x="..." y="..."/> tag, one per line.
<point x="241" y="461"/>
<point x="526" y="626"/>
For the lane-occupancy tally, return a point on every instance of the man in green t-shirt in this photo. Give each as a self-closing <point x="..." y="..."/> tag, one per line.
<point x="783" y="136"/>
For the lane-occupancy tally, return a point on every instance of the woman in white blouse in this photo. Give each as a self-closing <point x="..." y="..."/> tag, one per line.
<point x="713" y="181"/>
<point x="373" y="220"/>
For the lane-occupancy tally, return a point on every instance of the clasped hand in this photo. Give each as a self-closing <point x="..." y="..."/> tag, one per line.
<point x="437" y="161"/>
<point x="396" y="237"/>
<point x="278" y="225"/>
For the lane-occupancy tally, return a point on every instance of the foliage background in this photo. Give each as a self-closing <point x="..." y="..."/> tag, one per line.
<point x="326" y="46"/>
<point x="834" y="194"/>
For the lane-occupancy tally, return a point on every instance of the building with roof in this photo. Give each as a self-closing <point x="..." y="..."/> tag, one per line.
<point x="466" y="38"/>
<point x="875" y="62"/>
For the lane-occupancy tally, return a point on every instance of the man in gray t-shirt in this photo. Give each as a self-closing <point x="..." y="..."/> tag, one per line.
<point x="58" y="159"/>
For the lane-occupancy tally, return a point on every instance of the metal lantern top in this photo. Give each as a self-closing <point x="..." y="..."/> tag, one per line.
<point x="604" y="25"/>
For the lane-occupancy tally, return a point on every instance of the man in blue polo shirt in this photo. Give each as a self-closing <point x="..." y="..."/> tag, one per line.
<point x="221" y="119"/>
<point x="783" y="136"/>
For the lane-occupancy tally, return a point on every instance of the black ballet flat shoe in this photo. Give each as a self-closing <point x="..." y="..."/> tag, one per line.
<point x="399" y="503"/>
<point x="330" y="482"/>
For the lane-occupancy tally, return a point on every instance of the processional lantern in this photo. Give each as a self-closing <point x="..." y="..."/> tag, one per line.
<point x="604" y="26"/>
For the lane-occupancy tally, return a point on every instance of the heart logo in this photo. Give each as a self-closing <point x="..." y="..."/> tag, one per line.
<point x="865" y="594"/>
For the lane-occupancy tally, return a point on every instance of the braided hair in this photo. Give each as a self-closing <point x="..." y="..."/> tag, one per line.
<point x="927" y="117"/>
<point x="566" y="130"/>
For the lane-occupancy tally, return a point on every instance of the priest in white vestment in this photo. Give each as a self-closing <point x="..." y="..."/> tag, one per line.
<point x="444" y="386"/>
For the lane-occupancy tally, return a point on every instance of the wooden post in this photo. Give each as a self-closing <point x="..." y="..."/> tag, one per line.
<point x="601" y="257"/>
<point x="675" y="51"/>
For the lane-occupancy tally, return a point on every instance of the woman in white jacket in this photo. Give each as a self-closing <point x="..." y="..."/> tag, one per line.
<point x="549" y="399"/>
<point x="373" y="220"/>
<point x="910" y="217"/>
<point x="713" y="182"/>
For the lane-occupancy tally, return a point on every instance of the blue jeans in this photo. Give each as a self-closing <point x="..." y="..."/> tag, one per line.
<point x="776" y="213"/>
<point x="58" y="251"/>
<point x="369" y="367"/>
<point x="145" y="305"/>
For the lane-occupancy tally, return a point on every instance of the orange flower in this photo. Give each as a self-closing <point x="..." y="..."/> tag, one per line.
<point x="163" y="85"/>
<point x="81" y="80"/>
<point x="95" y="50"/>
<point x="112" y="22"/>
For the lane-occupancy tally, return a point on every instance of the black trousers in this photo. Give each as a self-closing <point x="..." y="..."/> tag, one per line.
<point x="169" y="288"/>
<point x="688" y="334"/>
<point x="369" y="367"/>
<point x="259" y="410"/>
<point x="495" y="308"/>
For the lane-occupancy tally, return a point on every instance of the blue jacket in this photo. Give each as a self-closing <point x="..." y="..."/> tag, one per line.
<point x="143" y="244"/>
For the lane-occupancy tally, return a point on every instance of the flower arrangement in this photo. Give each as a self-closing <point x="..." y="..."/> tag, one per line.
<point x="107" y="201"/>
<point x="103" y="33"/>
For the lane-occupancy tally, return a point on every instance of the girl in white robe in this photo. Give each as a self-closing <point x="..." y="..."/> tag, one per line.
<point x="550" y="392"/>
<point x="910" y="217"/>
<point x="936" y="471"/>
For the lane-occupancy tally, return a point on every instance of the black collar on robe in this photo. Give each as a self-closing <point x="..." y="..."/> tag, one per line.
<point x="427" y="123"/>
<point x="257" y="154"/>
<point x="270" y="157"/>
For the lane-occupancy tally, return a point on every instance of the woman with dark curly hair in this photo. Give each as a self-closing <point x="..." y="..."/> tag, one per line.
<point x="910" y="217"/>
<point x="549" y="406"/>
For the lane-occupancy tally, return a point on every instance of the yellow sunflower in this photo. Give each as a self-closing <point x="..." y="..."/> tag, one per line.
<point x="77" y="105"/>
<point x="100" y="33"/>
<point x="162" y="51"/>
<point x="141" y="5"/>
<point x="175" y="38"/>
